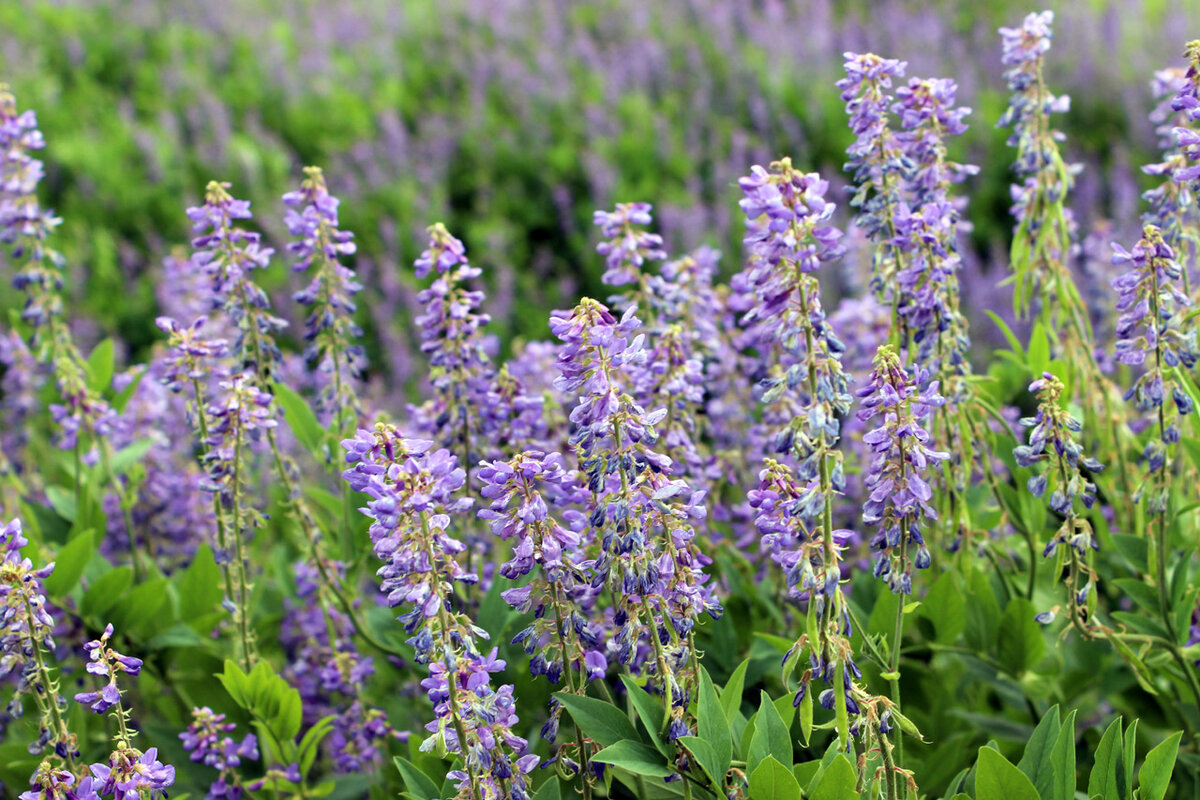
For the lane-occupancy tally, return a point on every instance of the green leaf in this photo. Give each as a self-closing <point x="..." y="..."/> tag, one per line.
<point x="771" y="737"/>
<point x="121" y="401"/>
<point x="649" y="709"/>
<point x="1063" y="759"/>
<point x="946" y="607"/>
<point x="1107" y="778"/>
<point x="127" y="456"/>
<point x="549" y="791"/>
<point x="62" y="500"/>
<point x="416" y="783"/>
<point x="805" y="712"/>
<point x="100" y="365"/>
<point x="838" y="781"/>
<point x="1039" y="350"/>
<point x="1130" y="757"/>
<point x="1013" y="341"/>
<point x="773" y="781"/>
<point x="105" y="591"/>
<point x="69" y="563"/>
<point x="600" y="721"/>
<point x="712" y="725"/>
<point x="236" y="683"/>
<point x="731" y="701"/>
<point x="199" y="585"/>
<point x="1020" y="642"/>
<point x="705" y="756"/>
<point x="638" y="758"/>
<point x="301" y="419"/>
<point x="1037" y="760"/>
<point x="1155" y="775"/>
<point x="310" y="743"/>
<point x="1133" y="548"/>
<point x="997" y="779"/>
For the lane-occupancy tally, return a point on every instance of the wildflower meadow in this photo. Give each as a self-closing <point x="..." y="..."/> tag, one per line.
<point x="829" y="505"/>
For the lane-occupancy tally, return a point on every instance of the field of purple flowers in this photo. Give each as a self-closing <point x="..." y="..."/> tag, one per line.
<point x="769" y="525"/>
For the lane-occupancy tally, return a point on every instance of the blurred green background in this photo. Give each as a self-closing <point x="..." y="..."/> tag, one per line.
<point x="512" y="120"/>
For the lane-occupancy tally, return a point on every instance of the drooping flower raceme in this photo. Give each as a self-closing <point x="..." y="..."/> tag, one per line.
<point x="207" y="741"/>
<point x="25" y="639"/>
<point x="229" y="255"/>
<point x="106" y="662"/>
<point x="647" y="557"/>
<point x="1187" y="102"/>
<point x="1173" y="207"/>
<point x="1052" y="439"/>
<point x="414" y="501"/>
<point x="627" y="247"/>
<point x="1153" y="332"/>
<point x="330" y="330"/>
<point x="898" y="481"/>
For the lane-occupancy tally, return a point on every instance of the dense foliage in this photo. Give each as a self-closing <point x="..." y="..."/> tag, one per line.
<point x="789" y="535"/>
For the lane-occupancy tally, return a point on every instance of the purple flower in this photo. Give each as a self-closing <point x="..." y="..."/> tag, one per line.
<point x="133" y="775"/>
<point x="898" y="490"/>
<point x="51" y="782"/>
<point x="330" y="330"/>
<point x="107" y="662"/>
<point x="207" y="742"/>
<point x="627" y="248"/>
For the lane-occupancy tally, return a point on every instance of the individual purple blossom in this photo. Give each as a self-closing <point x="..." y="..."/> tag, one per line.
<point x="627" y="247"/>
<point x="899" y="491"/>
<point x="207" y="741"/>
<point x="190" y="357"/>
<point x="240" y="413"/>
<point x="330" y="329"/>
<point x="131" y="774"/>
<point x="106" y="662"/>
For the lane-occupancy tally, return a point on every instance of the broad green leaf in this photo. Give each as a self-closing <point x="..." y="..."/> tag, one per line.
<point x="1037" y="760"/>
<point x="1130" y="757"/>
<point x="1155" y="775"/>
<point x="731" y="701"/>
<point x="301" y="419"/>
<point x="600" y="721"/>
<point x="837" y="781"/>
<point x="711" y="723"/>
<point x="771" y="737"/>
<point x="105" y="591"/>
<point x="997" y="779"/>
<point x="946" y="608"/>
<point x="310" y="743"/>
<point x="69" y="564"/>
<point x="1063" y="759"/>
<point x="638" y="758"/>
<point x="549" y="790"/>
<point x="1107" y="778"/>
<point x="706" y="757"/>
<point x="199" y="585"/>
<point x="100" y="365"/>
<point x="1020" y="642"/>
<point x="127" y="456"/>
<point x="417" y="784"/>
<point x="649" y="709"/>
<point x="773" y="781"/>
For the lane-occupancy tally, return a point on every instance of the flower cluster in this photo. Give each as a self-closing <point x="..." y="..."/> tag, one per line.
<point x="899" y="492"/>
<point x="1152" y="330"/>
<point x="627" y="247"/>
<point x="330" y="330"/>
<point x="1052" y="438"/>
<point x="207" y="741"/>
<point x="1187" y="103"/>
<point x="229" y="254"/>
<point x="27" y="635"/>
<point x="106" y="662"/>
<point x="413" y="503"/>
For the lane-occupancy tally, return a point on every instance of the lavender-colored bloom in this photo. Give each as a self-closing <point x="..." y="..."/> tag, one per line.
<point x="131" y="774"/>
<point x="1173" y="208"/>
<point x="1152" y="330"/>
<point x="1187" y="102"/>
<point x="229" y="254"/>
<point x="330" y="330"/>
<point x="207" y="741"/>
<point x="413" y="504"/>
<point x="899" y="492"/>
<point x="106" y="662"/>
<point x="242" y="412"/>
<point x="26" y="627"/>
<point x="190" y="357"/>
<point x="627" y="247"/>
<point x="51" y="782"/>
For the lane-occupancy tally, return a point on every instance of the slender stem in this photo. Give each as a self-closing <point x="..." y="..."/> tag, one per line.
<point x="243" y="629"/>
